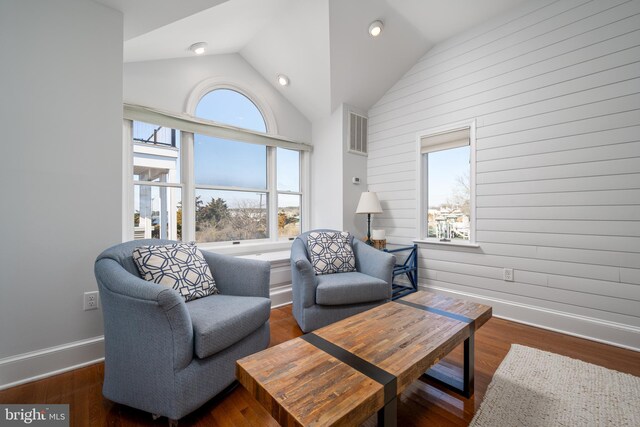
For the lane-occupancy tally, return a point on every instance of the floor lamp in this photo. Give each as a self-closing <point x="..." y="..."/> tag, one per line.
<point x="369" y="204"/>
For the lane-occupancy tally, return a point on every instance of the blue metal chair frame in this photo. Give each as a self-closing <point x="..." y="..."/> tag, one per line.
<point x="408" y="268"/>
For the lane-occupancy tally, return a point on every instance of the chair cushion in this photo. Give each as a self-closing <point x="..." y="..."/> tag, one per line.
<point x="180" y="266"/>
<point x="331" y="252"/>
<point x="350" y="288"/>
<point x="220" y="321"/>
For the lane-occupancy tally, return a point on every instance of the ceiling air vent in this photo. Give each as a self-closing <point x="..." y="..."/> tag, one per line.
<point x="357" y="134"/>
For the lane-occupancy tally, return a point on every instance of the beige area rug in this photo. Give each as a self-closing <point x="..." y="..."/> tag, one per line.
<point x="536" y="388"/>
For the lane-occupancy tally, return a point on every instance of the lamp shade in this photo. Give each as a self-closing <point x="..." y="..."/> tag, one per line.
<point x="369" y="203"/>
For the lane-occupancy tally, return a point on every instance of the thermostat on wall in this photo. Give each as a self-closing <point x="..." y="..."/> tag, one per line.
<point x="355" y="180"/>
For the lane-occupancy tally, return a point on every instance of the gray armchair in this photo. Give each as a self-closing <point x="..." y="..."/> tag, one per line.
<point x="321" y="300"/>
<point x="168" y="357"/>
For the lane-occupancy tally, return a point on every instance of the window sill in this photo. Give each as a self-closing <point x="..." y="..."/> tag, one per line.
<point x="273" y="257"/>
<point x="438" y="242"/>
<point x="270" y="251"/>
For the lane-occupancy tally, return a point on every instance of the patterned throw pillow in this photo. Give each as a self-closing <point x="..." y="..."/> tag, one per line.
<point x="180" y="266"/>
<point x="331" y="252"/>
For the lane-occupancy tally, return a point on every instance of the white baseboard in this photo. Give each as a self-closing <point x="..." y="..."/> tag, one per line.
<point x="35" y="365"/>
<point x="282" y="295"/>
<point x="603" y="331"/>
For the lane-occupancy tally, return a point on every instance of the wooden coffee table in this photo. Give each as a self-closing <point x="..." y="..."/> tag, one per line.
<point x="343" y="373"/>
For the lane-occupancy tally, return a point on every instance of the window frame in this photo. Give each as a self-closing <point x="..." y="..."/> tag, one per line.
<point x="211" y="84"/>
<point x="423" y="186"/>
<point x="300" y="192"/>
<point x="128" y="202"/>
<point x="187" y="179"/>
<point x="194" y="186"/>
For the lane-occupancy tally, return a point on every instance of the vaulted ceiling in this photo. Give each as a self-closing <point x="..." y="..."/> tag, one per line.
<point x="322" y="45"/>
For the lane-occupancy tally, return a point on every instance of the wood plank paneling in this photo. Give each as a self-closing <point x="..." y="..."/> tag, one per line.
<point x="577" y="241"/>
<point x="629" y="103"/>
<point x="469" y="61"/>
<point x="581" y="70"/>
<point x="520" y="261"/>
<point x="556" y="295"/>
<point x="602" y="228"/>
<point x="554" y="88"/>
<point x="629" y="321"/>
<point x="577" y="127"/>
<point x="591" y="286"/>
<point x="568" y="143"/>
<point x="604" y="213"/>
<point x="577" y="198"/>
<point x="519" y="32"/>
<point x="588" y="154"/>
<point x="595" y="183"/>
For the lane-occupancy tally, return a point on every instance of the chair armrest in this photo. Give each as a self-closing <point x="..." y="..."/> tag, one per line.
<point x="303" y="277"/>
<point x="373" y="262"/>
<point x="239" y="276"/>
<point x="116" y="279"/>
<point x="130" y="303"/>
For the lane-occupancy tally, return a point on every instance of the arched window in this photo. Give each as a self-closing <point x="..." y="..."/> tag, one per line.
<point x="235" y="194"/>
<point x="232" y="108"/>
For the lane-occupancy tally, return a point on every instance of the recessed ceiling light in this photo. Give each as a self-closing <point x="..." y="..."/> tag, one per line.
<point x="283" y="80"/>
<point x="198" y="48"/>
<point x="375" y="28"/>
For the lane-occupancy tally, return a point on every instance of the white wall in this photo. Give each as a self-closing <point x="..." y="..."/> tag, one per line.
<point x="61" y="120"/>
<point x="555" y="89"/>
<point x="353" y="165"/>
<point x="167" y="84"/>
<point x="334" y="196"/>
<point x="326" y="172"/>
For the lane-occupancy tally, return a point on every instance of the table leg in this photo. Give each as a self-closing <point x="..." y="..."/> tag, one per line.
<point x="464" y="385"/>
<point x="388" y="415"/>
<point x="469" y="368"/>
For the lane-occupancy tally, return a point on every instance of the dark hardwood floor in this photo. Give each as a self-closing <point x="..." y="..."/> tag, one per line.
<point x="421" y="404"/>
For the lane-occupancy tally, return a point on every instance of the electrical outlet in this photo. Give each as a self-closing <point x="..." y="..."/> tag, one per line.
<point x="507" y="274"/>
<point x="91" y="301"/>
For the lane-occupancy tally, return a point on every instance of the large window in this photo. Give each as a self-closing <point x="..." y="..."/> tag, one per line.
<point x="238" y="185"/>
<point x="447" y="196"/>
<point x="232" y="177"/>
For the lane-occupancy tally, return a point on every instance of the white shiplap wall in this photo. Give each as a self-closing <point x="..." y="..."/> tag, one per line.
<point x="555" y="89"/>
